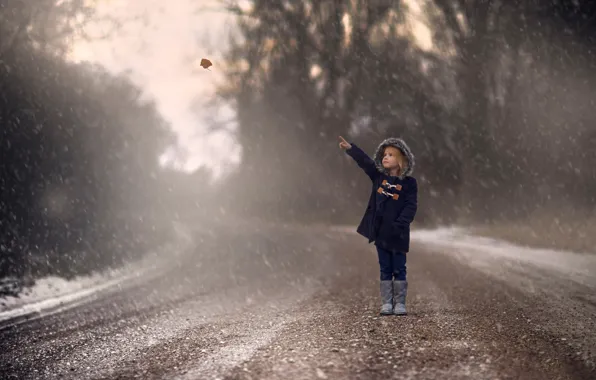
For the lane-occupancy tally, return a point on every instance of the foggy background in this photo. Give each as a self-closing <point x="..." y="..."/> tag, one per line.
<point x="111" y="130"/>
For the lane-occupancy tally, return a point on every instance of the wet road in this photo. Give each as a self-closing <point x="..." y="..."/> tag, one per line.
<point x="250" y="301"/>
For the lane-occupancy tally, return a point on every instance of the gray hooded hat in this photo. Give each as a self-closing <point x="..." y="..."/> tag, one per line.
<point x="403" y="147"/>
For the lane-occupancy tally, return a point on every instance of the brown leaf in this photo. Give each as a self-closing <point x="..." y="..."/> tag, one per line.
<point x="205" y="63"/>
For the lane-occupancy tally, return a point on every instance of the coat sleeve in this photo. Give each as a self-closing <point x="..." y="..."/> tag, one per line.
<point x="364" y="161"/>
<point x="411" y="206"/>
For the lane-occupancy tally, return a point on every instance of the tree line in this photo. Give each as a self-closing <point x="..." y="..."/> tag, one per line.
<point x="81" y="186"/>
<point x="499" y="112"/>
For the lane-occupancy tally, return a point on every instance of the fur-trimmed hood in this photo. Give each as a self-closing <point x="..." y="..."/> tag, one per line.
<point x="403" y="147"/>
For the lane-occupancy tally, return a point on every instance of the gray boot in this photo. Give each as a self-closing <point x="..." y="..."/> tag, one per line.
<point x="400" y="290"/>
<point x="386" y="298"/>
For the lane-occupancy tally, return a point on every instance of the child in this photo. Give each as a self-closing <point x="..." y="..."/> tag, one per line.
<point x="391" y="208"/>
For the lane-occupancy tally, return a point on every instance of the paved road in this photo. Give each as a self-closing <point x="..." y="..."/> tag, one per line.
<point x="270" y="302"/>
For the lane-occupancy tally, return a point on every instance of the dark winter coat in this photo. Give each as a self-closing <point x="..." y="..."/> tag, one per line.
<point x="393" y="200"/>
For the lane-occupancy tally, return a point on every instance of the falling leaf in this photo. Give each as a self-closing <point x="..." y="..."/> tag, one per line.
<point x="205" y="63"/>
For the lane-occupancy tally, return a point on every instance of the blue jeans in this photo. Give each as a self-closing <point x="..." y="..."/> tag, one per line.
<point x="392" y="265"/>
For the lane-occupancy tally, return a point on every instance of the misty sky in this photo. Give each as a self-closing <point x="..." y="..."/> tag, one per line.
<point x="162" y="49"/>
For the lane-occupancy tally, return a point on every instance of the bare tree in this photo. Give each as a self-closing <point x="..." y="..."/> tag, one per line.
<point x="304" y="72"/>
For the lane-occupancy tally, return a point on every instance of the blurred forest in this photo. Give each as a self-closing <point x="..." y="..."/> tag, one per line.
<point x="81" y="188"/>
<point x="499" y="114"/>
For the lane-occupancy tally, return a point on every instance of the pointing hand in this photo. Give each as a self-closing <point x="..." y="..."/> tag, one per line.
<point x="343" y="144"/>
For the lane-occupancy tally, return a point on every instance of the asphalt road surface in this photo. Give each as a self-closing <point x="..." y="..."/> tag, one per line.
<point x="250" y="301"/>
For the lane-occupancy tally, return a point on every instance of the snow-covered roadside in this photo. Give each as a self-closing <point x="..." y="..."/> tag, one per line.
<point x="55" y="292"/>
<point x="581" y="267"/>
<point x="485" y="253"/>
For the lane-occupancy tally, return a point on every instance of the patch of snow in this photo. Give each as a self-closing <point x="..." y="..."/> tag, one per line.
<point x="52" y="291"/>
<point x="485" y="251"/>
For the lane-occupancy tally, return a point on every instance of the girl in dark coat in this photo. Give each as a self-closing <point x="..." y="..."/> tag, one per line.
<point x="391" y="209"/>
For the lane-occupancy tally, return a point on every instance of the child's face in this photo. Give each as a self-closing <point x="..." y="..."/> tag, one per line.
<point x="392" y="158"/>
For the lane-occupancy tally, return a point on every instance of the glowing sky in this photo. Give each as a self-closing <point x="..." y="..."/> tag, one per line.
<point x="161" y="48"/>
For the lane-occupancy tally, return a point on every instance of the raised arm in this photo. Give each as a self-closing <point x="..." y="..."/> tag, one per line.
<point x="361" y="158"/>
